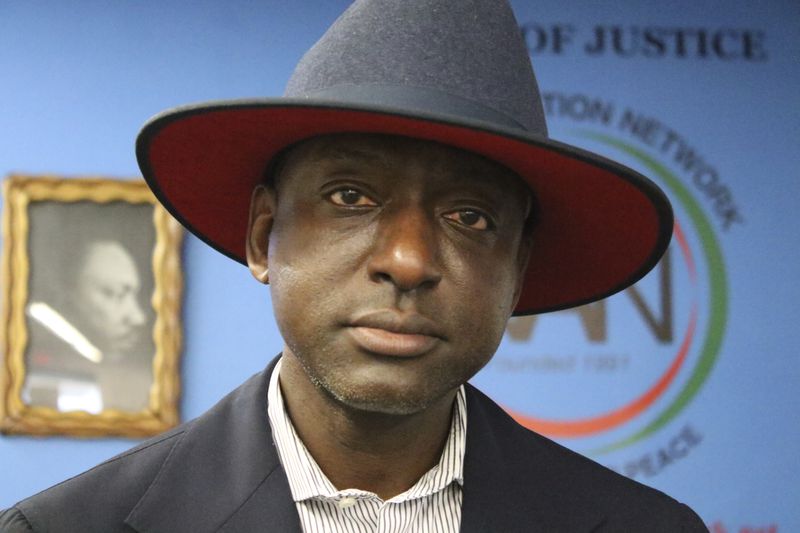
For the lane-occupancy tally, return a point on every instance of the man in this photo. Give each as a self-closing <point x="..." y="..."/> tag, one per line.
<point x="88" y="351"/>
<point x="411" y="203"/>
<point x="107" y="297"/>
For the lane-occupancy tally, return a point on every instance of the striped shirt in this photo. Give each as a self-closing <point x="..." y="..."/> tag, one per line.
<point x="432" y="505"/>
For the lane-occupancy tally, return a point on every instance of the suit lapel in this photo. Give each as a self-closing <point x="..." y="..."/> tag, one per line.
<point x="227" y="471"/>
<point x="513" y="480"/>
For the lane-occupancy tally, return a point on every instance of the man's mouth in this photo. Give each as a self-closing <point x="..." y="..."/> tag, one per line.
<point x="394" y="334"/>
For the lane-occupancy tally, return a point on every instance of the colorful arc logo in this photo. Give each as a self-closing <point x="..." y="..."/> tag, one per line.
<point x="701" y="337"/>
<point x="597" y="424"/>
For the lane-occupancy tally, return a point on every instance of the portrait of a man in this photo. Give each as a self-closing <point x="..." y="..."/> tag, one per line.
<point x="89" y="319"/>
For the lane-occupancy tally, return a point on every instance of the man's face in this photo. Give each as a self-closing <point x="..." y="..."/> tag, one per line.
<point x="107" y="293"/>
<point x="394" y="265"/>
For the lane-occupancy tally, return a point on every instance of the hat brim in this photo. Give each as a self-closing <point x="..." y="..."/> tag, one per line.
<point x="601" y="225"/>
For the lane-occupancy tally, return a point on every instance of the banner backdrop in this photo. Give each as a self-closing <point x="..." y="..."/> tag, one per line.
<point x="687" y="381"/>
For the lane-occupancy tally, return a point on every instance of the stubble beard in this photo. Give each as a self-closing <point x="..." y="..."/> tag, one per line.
<point x="350" y="395"/>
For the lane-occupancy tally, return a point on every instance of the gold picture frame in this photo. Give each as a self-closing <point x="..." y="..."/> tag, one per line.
<point x="80" y="257"/>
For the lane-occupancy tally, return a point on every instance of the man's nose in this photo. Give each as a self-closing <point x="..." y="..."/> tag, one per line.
<point x="134" y="314"/>
<point x="406" y="252"/>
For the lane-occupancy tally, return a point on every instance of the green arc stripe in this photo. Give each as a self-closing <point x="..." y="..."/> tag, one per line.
<point x="718" y="294"/>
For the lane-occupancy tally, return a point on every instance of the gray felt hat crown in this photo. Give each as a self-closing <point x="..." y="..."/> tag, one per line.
<point x="459" y="57"/>
<point x="455" y="72"/>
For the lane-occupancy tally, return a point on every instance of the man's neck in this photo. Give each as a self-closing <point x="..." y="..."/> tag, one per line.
<point x="376" y="452"/>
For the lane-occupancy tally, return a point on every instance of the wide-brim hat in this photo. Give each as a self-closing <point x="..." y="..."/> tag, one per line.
<point x="456" y="73"/>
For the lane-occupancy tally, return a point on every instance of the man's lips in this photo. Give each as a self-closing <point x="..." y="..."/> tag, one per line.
<point x="394" y="334"/>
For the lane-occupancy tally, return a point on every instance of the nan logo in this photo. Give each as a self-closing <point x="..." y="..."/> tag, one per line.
<point x="619" y="374"/>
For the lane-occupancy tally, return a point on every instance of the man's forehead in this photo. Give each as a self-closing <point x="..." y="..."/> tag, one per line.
<point x="108" y="261"/>
<point x="368" y="148"/>
<point x="384" y="150"/>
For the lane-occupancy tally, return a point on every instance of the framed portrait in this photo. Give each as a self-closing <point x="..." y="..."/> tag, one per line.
<point x="91" y="294"/>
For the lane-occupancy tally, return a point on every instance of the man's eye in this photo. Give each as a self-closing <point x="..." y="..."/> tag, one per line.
<point x="350" y="197"/>
<point x="470" y="218"/>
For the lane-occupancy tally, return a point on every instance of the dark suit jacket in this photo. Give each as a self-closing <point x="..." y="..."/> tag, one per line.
<point x="221" y="473"/>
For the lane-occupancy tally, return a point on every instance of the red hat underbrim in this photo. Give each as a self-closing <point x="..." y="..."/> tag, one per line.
<point x="601" y="226"/>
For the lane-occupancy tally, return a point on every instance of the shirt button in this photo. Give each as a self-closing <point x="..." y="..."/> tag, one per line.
<point x="346" y="502"/>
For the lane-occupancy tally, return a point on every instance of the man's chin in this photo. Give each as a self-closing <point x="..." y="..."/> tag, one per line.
<point x="118" y="349"/>
<point x="379" y="400"/>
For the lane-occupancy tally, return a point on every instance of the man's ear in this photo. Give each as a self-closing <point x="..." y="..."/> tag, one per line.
<point x="262" y="212"/>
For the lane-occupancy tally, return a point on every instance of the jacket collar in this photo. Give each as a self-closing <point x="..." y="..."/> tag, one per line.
<point x="518" y="481"/>
<point x="227" y="471"/>
<point x="513" y="480"/>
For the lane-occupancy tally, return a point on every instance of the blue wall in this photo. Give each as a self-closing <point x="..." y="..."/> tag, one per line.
<point x="79" y="79"/>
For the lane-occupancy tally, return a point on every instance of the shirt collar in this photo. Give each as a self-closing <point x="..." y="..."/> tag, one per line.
<point x="306" y="479"/>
